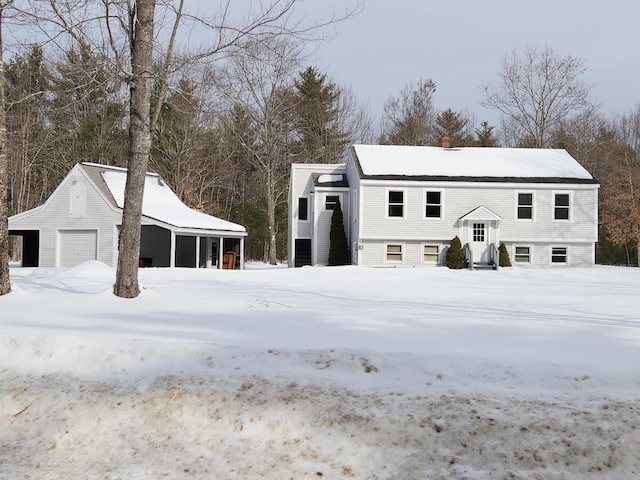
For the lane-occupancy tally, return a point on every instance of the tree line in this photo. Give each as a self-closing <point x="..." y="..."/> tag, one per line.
<point x="222" y="122"/>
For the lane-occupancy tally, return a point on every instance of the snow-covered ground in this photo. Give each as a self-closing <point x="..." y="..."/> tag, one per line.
<point x="311" y="373"/>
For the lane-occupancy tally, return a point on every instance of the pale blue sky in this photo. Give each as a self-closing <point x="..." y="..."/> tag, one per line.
<point x="460" y="46"/>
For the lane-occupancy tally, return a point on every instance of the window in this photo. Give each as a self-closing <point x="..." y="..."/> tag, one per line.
<point x="303" y="208"/>
<point x="523" y="255"/>
<point x="525" y="206"/>
<point x="396" y="203"/>
<point x="433" y="208"/>
<point x="394" y="253"/>
<point x="331" y="201"/>
<point x="431" y="254"/>
<point x="478" y="232"/>
<point x="561" y="206"/>
<point x="558" y="254"/>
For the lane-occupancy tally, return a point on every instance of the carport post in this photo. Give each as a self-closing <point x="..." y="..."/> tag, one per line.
<point x="172" y="259"/>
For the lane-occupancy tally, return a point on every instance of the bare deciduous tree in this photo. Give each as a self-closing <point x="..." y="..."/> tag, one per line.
<point x="5" y="284"/>
<point x="536" y="91"/>
<point x="408" y="119"/>
<point x="259" y="82"/>
<point x="141" y="19"/>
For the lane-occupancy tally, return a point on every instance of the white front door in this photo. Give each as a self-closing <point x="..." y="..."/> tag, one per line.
<point x="479" y="236"/>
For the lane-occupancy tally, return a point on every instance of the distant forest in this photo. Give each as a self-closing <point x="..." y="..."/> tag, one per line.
<point x="228" y="118"/>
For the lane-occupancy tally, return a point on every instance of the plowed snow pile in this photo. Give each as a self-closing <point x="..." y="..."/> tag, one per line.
<point x="321" y="373"/>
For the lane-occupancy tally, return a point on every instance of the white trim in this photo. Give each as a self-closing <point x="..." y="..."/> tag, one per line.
<point x="328" y="194"/>
<point x="423" y="245"/>
<point x="308" y="219"/>
<point x="515" y="246"/>
<point x="533" y="205"/>
<point x="386" y="253"/>
<point x="566" y="262"/>
<point x="425" y="191"/>
<point x="553" y="205"/>
<point x="387" y="204"/>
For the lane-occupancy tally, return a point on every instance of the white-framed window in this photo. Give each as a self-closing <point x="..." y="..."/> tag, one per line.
<point x="559" y="255"/>
<point x="431" y="254"/>
<point x="524" y="207"/>
<point x="303" y="208"/>
<point x="562" y="206"/>
<point x="330" y="202"/>
<point x="433" y="203"/>
<point x="395" y="203"/>
<point x="522" y="254"/>
<point x="394" y="252"/>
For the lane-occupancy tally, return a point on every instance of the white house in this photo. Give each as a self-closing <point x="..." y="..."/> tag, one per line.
<point x="81" y="220"/>
<point x="403" y="205"/>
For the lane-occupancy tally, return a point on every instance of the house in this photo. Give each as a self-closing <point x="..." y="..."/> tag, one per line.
<point x="402" y="206"/>
<point x="81" y="220"/>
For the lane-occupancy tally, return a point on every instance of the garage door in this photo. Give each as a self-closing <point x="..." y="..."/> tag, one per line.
<point x="76" y="246"/>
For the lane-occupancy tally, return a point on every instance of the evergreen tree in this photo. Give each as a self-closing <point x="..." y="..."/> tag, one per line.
<point x="455" y="255"/>
<point x="484" y="135"/>
<point x="504" y="260"/>
<point x="455" y="126"/>
<point x="317" y="119"/>
<point x="339" y="246"/>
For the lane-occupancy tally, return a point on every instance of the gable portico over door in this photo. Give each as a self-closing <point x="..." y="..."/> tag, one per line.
<point x="480" y="229"/>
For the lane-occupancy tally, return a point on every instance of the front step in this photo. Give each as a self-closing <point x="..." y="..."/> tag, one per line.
<point x="484" y="266"/>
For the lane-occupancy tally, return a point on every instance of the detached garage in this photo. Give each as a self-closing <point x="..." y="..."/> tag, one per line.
<point x="81" y="221"/>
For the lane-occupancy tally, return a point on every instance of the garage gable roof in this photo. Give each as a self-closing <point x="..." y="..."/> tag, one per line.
<point x="159" y="203"/>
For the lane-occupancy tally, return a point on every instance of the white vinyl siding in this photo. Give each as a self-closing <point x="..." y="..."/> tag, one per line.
<point x="61" y="213"/>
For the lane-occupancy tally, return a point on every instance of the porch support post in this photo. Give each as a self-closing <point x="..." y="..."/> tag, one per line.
<point x="172" y="258"/>
<point x="241" y="253"/>
<point x="220" y="252"/>
<point x="197" y="251"/>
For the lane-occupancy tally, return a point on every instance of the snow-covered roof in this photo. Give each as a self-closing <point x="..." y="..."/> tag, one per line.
<point x="160" y="203"/>
<point x="477" y="163"/>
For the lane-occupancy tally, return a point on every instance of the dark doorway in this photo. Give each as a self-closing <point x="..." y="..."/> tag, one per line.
<point x="302" y="252"/>
<point x="30" y="255"/>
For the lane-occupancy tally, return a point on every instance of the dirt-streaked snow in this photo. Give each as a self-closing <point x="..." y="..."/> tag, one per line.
<point x="338" y="372"/>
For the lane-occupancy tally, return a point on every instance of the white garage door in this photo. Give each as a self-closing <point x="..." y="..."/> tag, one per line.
<point x="77" y="246"/>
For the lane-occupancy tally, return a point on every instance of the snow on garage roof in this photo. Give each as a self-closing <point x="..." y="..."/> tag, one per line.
<point x="469" y="162"/>
<point x="160" y="203"/>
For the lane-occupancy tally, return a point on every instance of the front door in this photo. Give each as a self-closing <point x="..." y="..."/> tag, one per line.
<point x="479" y="236"/>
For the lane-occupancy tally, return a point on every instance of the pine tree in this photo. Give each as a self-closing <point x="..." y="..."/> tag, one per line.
<point x="485" y="137"/>
<point x="339" y="246"/>
<point x="321" y="137"/>
<point x="455" y="126"/>
<point x="455" y="255"/>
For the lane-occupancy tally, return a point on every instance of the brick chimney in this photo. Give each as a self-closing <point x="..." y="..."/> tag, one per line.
<point x="446" y="142"/>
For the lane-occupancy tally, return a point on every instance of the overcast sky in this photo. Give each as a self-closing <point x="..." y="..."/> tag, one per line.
<point x="460" y="46"/>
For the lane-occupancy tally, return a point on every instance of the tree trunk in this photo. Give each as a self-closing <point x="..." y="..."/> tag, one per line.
<point x="5" y="283"/>
<point x="271" y="215"/>
<point x="141" y="38"/>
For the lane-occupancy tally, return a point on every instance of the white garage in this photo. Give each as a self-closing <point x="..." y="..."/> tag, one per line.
<point x="76" y="246"/>
<point x="81" y="219"/>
